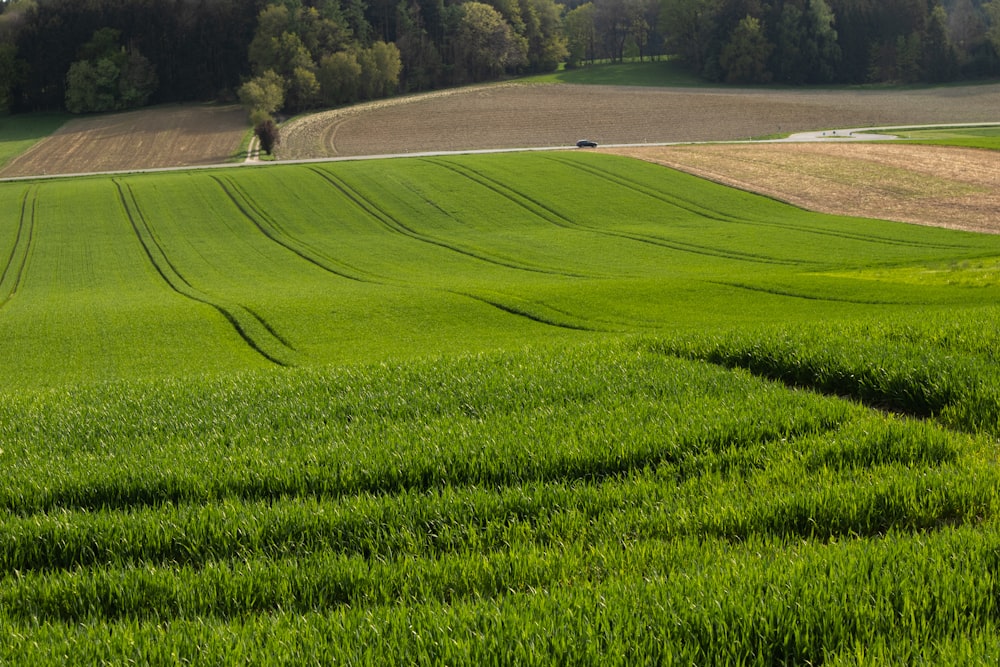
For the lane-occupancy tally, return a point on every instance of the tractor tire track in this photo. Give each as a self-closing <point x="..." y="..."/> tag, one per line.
<point x="699" y="210"/>
<point x="251" y="327"/>
<point x="17" y="261"/>
<point x="548" y="214"/>
<point x="808" y="297"/>
<point x="273" y="230"/>
<point x="393" y="224"/>
<point x="534" y="317"/>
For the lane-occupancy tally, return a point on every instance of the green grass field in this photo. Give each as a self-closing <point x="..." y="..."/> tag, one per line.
<point x="559" y="408"/>
<point x="667" y="72"/>
<point x="987" y="137"/>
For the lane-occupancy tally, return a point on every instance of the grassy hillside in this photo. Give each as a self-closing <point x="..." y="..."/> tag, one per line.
<point x="519" y="409"/>
<point x="195" y="273"/>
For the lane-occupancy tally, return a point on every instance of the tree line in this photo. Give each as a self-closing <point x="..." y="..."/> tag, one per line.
<point x="285" y="56"/>
<point x="835" y="41"/>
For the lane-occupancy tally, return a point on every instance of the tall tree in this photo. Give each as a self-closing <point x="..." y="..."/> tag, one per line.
<point x="992" y="10"/>
<point x="689" y="27"/>
<point x="263" y="96"/>
<point x="806" y="49"/>
<point x="581" y="34"/>
<point x="744" y="57"/>
<point x="940" y="61"/>
<point x="108" y="77"/>
<point x="13" y="72"/>
<point x="340" y="78"/>
<point x="613" y="22"/>
<point x="420" y="57"/>
<point x="486" y="45"/>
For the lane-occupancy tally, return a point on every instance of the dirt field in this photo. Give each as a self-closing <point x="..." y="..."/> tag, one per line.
<point x="928" y="185"/>
<point x="173" y="136"/>
<point x="518" y="115"/>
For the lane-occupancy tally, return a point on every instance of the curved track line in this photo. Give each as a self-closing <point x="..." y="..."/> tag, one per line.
<point x="270" y="228"/>
<point x="534" y="317"/>
<point x="394" y="225"/>
<point x="807" y="297"/>
<point x="696" y="208"/>
<point x="17" y="261"/>
<point x="252" y="328"/>
<point x="552" y="216"/>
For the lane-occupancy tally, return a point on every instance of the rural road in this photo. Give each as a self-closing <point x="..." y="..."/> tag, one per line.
<point x="253" y="159"/>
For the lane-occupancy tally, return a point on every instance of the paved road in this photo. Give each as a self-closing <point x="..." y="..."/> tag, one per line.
<point x="856" y="134"/>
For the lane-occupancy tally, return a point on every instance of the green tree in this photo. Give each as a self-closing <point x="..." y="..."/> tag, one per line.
<point x="262" y="96"/>
<point x="908" y="57"/>
<point x="689" y="26"/>
<point x="107" y="77"/>
<point x="940" y="61"/>
<point x="486" y="45"/>
<point x="13" y="72"/>
<point x="806" y="49"/>
<point x="420" y="57"/>
<point x="613" y="21"/>
<point x="992" y="10"/>
<point x="744" y="57"/>
<point x="380" y="69"/>
<point x="340" y="78"/>
<point x="302" y="89"/>
<point x="282" y="54"/>
<point x="581" y="34"/>
<point x="543" y="32"/>
<point x="967" y="29"/>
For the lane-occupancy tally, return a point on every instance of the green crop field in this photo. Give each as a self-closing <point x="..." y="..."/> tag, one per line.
<point x="986" y="137"/>
<point x="546" y="408"/>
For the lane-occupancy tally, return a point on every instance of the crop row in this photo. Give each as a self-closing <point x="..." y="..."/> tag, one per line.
<point x="722" y="496"/>
<point x="645" y="602"/>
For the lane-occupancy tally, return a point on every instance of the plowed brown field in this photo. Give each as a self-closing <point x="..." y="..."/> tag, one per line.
<point x="520" y="115"/>
<point x="928" y="185"/>
<point x="175" y="136"/>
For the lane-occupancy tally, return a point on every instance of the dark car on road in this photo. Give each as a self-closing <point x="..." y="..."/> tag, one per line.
<point x="586" y="143"/>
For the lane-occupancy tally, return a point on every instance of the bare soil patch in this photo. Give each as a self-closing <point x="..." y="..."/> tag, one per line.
<point x="175" y="136"/>
<point x="958" y="188"/>
<point x="524" y="115"/>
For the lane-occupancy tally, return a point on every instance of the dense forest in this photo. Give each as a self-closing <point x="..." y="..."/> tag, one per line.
<point x="285" y="56"/>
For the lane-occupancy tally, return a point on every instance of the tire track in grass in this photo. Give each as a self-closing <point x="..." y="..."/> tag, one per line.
<point x="693" y="207"/>
<point x="548" y="214"/>
<point x="521" y="311"/>
<point x="17" y="261"/>
<point x="273" y="230"/>
<point x="810" y="297"/>
<point x="393" y="224"/>
<point x="251" y="327"/>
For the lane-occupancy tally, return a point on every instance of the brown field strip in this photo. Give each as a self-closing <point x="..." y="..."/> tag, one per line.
<point x="524" y="115"/>
<point x="174" y="136"/>
<point x="958" y="188"/>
